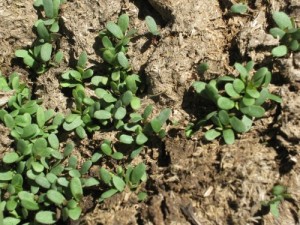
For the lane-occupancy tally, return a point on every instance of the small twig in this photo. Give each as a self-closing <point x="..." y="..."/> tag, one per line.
<point x="189" y="214"/>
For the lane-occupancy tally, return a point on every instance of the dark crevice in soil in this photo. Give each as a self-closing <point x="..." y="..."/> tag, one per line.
<point x="164" y="158"/>
<point x="146" y="9"/>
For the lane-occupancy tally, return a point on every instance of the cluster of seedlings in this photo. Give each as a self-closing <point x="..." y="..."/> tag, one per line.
<point x="43" y="182"/>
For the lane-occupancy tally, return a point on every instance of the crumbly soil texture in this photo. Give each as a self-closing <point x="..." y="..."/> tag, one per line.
<point x="191" y="181"/>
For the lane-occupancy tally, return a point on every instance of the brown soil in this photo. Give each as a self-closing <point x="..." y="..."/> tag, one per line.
<point x="190" y="181"/>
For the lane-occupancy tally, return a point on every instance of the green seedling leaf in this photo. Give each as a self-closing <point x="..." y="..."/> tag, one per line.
<point x="142" y="196"/>
<point x="42" y="181"/>
<point x="6" y="176"/>
<point x="109" y="55"/>
<point x="252" y="91"/>
<point x="40" y="117"/>
<point x="55" y="197"/>
<point x="277" y="32"/>
<point x="74" y="173"/>
<point x="43" y="32"/>
<point x="151" y="24"/>
<point x="106" y="42"/>
<point x="102" y="115"/>
<point x="223" y="117"/>
<point x="123" y="22"/>
<point x="80" y="131"/>
<point x="253" y="111"/>
<point x="53" y="141"/>
<point x="211" y="134"/>
<point x="85" y="167"/>
<point x="126" y="139"/>
<point x="30" y="204"/>
<point x="120" y="113"/>
<point x="118" y="183"/>
<point x="137" y="173"/>
<point x="242" y="70"/>
<point x="48" y="8"/>
<point x="87" y="74"/>
<point x="225" y="103"/>
<point x="45" y="217"/>
<point x="231" y="91"/>
<point x="75" y="213"/>
<point x="82" y="60"/>
<point x="75" y="123"/>
<point x="248" y="100"/>
<point x="46" y="52"/>
<point x="10" y="157"/>
<point x="10" y="221"/>
<point x="274" y="209"/>
<point x="263" y="96"/>
<point x="56" y="5"/>
<point x="108" y="193"/>
<point x="199" y="86"/>
<point x="126" y="98"/>
<point x="9" y="121"/>
<point x="202" y="68"/>
<point x="282" y="20"/>
<point x="239" y="8"/>
<point x="115" y="30"/>
<point x="237" y="124"/>
<point x="259" y="76"/>
<point x="147" y="112"/>
<point x="275" y="98"/>
<point x="156" y="125"/>
<point x="279" y="51"/>
<point x="76" y="188"/>
<point x="96" y="156"/>
<point x="135" y="103"/>
<point x="30" y="131"/>
<point x="37" y="167"/>
<point x="131" y="83"/>
<point x="141" y="139"/>
<point x="117" y="155"/>
<point x="91" y="182"/>
<point x="59" y="57"/>
<point x="211" y="90"/>
<point x="105" y="175"/>
<point x="228" y="136"/>
<point x="54" y="27"/>
<point x="294" y="45"/>
<point x="106" y="149"/>
<point x="249" y="66"/>
<point x="247" y="122"/>
<point x="122" y="59"/>
<point x="51" y="177"/>
<point x="278" y="190"/>
<point x="57" y="170"/>
<point x="136" y="152"/>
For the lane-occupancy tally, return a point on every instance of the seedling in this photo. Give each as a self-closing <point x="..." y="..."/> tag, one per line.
<point x="280" y="194"/>
<point x="152" y="26"/>
<point x="287" y="32"/>
<point x="41" y="55"/>
<point x="72" y="78"/>
<point x="132" y="177"/>
<point x="238" y="102"/>
<point x="239" y="8"/>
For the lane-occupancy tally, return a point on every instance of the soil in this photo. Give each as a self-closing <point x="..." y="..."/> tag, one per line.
<point x="191" y="181"/>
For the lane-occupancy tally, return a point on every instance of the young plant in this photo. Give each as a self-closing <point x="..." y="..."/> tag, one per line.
<point x="280" y="194"/>
<point x="238" y="101"/>
<point x="131" y="177"/>
<point x="287" y="33"/>
<point x="72" y="78"/>
<point x="152" y="26"/>
<point x="239" y="8"/>
<point x="41" y="55"/>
